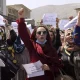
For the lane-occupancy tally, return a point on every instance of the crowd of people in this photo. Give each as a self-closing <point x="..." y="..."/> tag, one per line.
<point x="50" y="46"/>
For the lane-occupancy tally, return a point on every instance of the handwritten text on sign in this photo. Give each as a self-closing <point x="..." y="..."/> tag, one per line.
<point x="49" y="19"/>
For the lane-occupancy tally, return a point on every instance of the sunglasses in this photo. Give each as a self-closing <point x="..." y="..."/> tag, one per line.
<point x="42" y="32"/>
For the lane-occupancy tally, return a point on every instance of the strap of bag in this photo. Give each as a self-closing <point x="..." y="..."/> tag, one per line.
<point x="62" y="72"/>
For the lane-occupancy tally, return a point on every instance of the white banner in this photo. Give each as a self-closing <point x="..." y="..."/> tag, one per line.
<point x="62" y="23"/>
<point x="71" y="23"/>
<point x="49" y="19"/>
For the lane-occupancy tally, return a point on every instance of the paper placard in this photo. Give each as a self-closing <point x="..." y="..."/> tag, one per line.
<point x="49" y="19"/>
<point x="15" y="28"/>
<point x="33" y="69"/>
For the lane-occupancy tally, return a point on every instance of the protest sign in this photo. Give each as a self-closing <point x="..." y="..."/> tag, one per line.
<point x="49" y="19"/>
<point x="29" y="26"/>
<point x="62" y="23"/>
<point x="71" y="23"/>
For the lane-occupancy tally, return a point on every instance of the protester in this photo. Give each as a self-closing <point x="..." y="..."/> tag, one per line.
<point x="20" y="52"/>
<point x="5" y="70"/>
<point x="77" y="45"/>
<point x="71" y="49"/>
<point x="68" y="49"/>
<point x="55" y="37"/>
<point x="39" y="46"/>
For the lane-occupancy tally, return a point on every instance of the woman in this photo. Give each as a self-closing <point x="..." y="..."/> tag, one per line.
<point x="55" y="37"/>
<point x="39" y="47"/>
<point x="5" y="70"/>
<point x="20" y="53"/>
<point x="68" y="49"/>
<point x="10" y="41"/>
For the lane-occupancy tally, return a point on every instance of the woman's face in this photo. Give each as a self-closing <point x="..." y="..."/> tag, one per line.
<point x="62" y="38"/>
<point x="69" y="36"/>
<point x="51" y="35"/>
<point x="41" y="34"/>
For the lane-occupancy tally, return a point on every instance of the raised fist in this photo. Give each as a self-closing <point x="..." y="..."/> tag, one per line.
<point x="21" y="13"/>
<point x="79" y="14"/>
<point x="57" y="20"/>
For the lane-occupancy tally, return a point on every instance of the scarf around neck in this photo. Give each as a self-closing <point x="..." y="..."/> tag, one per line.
<point x="41" y="42"/>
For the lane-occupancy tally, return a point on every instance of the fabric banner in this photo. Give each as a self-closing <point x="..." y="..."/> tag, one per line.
<point x="71" y="23"/>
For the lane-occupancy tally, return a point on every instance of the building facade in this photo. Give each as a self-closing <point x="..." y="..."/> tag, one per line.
<point x="3" y="10"/>
<point x="26" y="10"/>
<point x="12" y="11"/>
<point x="3" y="7"/>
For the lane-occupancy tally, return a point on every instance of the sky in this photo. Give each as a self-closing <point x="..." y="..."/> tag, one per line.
<point x="31" y="4"/>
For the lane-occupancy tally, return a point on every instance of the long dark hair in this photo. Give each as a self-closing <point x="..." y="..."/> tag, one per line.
<point x="54" y="40"/>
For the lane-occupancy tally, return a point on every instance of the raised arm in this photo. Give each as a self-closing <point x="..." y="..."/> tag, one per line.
<point x="78" y="20"/>
<point x="23" y="32"/>
<point x="58" y="40"/>
<point x="77" y="31"/>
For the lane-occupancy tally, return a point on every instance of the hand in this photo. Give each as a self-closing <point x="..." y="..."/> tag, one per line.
<point x="21" y="13"/>
<point x="78" y="20"/>
<point x="51" y="28"/>
<point x="70" y="18"/>
<point x="57" y="20"/>
<point x="70" y="49"/>
<point x="76" y="47"/>
<point x="21" y="67"/>
<point x="45" y="67"/>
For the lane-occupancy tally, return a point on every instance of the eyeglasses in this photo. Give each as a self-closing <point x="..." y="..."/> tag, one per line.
<point x="42" y="32"/>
